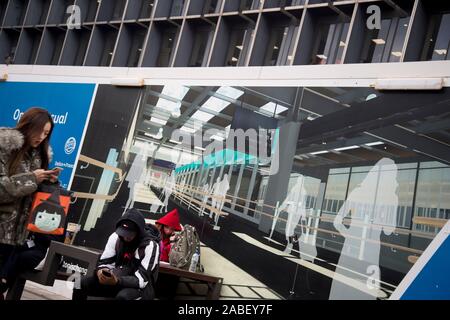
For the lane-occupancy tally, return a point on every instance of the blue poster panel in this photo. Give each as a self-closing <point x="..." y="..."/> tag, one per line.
<point x="68" y="103"/>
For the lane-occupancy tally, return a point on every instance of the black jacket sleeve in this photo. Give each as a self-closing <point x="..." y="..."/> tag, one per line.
<point x="108" y="257"/>
<point x="144" y="273"/>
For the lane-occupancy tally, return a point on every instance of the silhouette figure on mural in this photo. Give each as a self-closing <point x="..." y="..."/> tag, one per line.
<point x="167" y="192"/>
<point x="220" y="190"/>
<point x="214" y="190"/>
<point x="148" y="173"/>
<point x="206" y="194"/>
<point x="372" y="207"/>
<point x="155" y="206"/>
<point x="135" y="175"/>
<point x="295" y="206"/>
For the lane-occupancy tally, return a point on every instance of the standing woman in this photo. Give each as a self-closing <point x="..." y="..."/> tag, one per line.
<point x="25" y="155"/>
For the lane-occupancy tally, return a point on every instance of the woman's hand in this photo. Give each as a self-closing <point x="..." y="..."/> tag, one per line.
<point x="54" y="174"/>
<point x="41" y="175"/>
<point x="53" y="179"/>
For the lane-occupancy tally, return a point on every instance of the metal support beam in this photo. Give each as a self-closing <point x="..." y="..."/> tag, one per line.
<point x="251" y="187"/>
<point x="193" y="107"/>
<point x="361" y="140"/>
<point x="238" y="185"/>
<point x="384" y="111"/>
<point x="398" y="9"/>
<point x="341" y="14"/>
<point x="381" y="152"/>
<point x="416" y="143"/>
<point x="349" y="156"/>
<point x="277" y="186"/>
<point x="294" y="19"/>
<point x="435" y="126"/>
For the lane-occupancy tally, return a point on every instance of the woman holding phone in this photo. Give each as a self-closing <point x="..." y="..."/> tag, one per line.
<point x="25" y="155"/>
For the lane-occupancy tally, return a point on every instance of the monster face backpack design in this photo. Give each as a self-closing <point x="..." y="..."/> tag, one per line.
<point x="48" y="213"/>
<point x="187" y="243"/>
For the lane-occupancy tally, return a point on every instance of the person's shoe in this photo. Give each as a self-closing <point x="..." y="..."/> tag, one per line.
<point x="288" y="249"/>
<point x="3" y="287"/>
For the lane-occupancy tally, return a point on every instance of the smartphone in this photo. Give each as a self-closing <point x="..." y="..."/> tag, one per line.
<point x="55" y="171"/>
<point x="107" y="273"/>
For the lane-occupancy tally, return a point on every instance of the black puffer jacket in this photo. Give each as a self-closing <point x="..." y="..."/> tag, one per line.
<point x="137" y="263"/>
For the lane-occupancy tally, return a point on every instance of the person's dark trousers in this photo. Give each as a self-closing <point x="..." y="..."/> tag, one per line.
<point x="21" y="259"/>
<point x="90" y="286"/>
<point x="5" y="251"/>
<point x="166" y="286"/>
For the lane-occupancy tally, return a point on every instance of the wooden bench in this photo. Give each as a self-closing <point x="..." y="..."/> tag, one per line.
<point x="50" y="272"/>
<point x="214" y="283"/>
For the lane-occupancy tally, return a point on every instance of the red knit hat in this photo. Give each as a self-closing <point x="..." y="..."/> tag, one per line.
<point x="171" y="219"/>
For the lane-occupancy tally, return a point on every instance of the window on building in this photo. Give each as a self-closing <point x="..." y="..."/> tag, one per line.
<point x="433" y="196"/>
<point x="109" y="37"/>
<point x="405" y="178"/>
<point x="199" y="49"/>
<point x="8" y="45"/>
<point x="15" y="14"/>
<point x="92" y="10"/>
<point x="212" y="6"/>
<point x="136" y="47"/>
<point x="386" y="44"/>
<point x="239" y="42"/>
<point x="273" y="50"/>
<point x="249" y="4"/>
<point x="336" y="191"/>
<point x="167" y="45"/>
<point x="177" y="8"/>
<point x="58" y="39"/>
<point x="82" y="39"/>
<point x="118" y="9"/>
<point x="30" y="40"/>
<point x="44" y="13"/>
<point x="146" y="9"/>
<point x="330" y="43"/>
<point x="437" y="45"/>
<point x="278" y="43"/>
<point x="2" y="11"/>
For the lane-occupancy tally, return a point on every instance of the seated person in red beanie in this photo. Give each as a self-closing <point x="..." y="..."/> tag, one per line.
<point x="168" y="225"/>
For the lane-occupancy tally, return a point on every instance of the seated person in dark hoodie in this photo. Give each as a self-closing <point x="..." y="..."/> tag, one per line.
<point x="25" y="258"/>
<point x="129" y="265"/>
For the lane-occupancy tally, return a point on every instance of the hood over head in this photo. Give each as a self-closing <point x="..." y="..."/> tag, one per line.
<point x="171" y="219"/>
<point x="11" y="139"/>
<point x="145" y="233"/>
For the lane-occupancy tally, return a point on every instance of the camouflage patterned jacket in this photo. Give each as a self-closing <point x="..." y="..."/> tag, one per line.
<point x="16" y="191"/>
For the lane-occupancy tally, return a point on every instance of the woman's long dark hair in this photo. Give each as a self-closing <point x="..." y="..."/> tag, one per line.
<point x="32" y="123"/>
